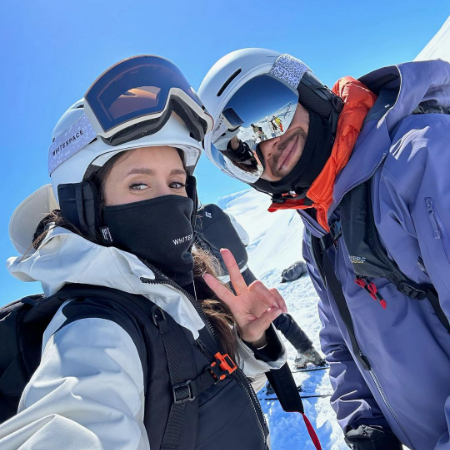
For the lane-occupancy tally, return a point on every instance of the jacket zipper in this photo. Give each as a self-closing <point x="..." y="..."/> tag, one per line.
<point x="238" y="375"/>
<point x="385" y="400"/>
<point x="432" y="217"/>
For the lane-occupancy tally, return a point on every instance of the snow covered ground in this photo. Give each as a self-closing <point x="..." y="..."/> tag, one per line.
<point x="275" y="243"/>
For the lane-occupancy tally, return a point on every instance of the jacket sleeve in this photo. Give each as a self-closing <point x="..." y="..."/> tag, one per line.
<point x="256" y="363"/>
<point x="87" y="393"/>
<point x="352" y="400"/>
<point x="240" y="230"/>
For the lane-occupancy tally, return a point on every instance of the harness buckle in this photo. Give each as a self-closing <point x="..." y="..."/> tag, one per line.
<point x="411" y="291"/>
<point x="336" y="230"/>
<point x="222" y="367"/>
<point x="182" y="392"/>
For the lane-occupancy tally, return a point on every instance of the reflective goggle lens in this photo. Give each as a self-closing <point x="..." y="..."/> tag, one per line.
<point x="134" y="88"/>
<point x="262" y="109"/>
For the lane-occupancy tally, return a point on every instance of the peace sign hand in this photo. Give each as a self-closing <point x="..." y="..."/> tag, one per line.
<point x="254" y="307"/>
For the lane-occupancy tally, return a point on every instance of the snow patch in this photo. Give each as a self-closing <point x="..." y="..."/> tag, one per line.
<point x="439" y="46"/>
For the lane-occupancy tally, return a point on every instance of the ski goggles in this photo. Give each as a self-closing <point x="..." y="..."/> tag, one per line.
<point x="136" y="97"/>
<point x="262" y="109"/>
<point x="132" y="99"/>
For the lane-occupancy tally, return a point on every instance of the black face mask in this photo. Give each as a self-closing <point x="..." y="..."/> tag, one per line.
<point x="316" y="152"/>
<point x="158" y="230"/>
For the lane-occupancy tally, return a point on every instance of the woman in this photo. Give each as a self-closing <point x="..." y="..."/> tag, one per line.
<point x="119" y="225"/>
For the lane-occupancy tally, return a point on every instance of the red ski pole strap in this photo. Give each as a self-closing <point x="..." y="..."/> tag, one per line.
<point x="312" y="433"/>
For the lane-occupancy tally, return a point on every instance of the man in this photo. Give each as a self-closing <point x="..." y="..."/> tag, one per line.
<point x="259" y="133"/>
<point x="279" y="123"/>
<point x="274" y="126"/>
<point x="214" y="230"/>
<point x="366" y="165"/>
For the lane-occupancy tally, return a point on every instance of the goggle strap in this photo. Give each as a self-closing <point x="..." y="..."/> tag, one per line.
<point x="289" y="70"/>
<point x="75" y="138"/>
<point x="197" y="126"/>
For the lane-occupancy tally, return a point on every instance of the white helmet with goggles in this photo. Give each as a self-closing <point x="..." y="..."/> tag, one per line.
<point x="144" y="101"/>
<point x="243" y="91"/>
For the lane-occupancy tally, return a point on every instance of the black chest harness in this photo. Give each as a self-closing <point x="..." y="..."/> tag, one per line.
<point x="369" y="260"/>
<point x="195" y="395"/>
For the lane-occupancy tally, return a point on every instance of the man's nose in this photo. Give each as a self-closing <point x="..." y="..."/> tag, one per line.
<point x="269" y="147"/>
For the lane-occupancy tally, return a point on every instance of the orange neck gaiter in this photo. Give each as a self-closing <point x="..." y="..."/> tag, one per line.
<point x="357" y="102"/>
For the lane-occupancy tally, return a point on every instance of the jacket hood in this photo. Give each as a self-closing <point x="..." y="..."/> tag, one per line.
<point x="64" y="257"/>
<point x="414" y="83"/>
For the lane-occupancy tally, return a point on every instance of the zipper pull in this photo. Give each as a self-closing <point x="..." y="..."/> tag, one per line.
<point x="202" y="347"/>
<point x="432" y="217"/>
<point x="371" y="289"/>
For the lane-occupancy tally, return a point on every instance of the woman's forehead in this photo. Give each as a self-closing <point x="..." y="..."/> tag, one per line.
<point x="150" y="160"/>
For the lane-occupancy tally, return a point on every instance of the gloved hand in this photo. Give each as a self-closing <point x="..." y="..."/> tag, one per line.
<point x="372" y="437"/>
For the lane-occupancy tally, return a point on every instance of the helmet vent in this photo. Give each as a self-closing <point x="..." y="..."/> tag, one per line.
<point x="230" y="79"/>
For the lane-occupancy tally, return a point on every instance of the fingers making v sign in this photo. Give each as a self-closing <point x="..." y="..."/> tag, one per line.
<point x="254" y="307"/>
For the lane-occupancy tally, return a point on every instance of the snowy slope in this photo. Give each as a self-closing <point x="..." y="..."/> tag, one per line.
<point x="439" y="46"/>
<point x="275" y="238"/>
<point x="275" y="243"/>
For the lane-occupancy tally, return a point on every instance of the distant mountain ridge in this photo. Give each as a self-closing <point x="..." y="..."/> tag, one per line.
<point x="439" y="46"/>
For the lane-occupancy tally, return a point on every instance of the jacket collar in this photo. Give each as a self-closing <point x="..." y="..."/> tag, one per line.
<point x="65" y="257"/>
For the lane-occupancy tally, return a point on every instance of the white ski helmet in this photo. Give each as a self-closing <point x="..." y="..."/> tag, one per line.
<point x="94" y="155"/>
<point x="291" y="81"/>
<point x="80" y="146"/>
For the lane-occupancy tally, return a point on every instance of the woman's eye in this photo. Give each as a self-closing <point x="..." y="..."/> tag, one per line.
<point x="139" y="186"/>
<point x="177" y="185"/>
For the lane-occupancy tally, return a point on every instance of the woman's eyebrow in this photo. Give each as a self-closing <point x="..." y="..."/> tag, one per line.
<point x="146" y="171"/>
<point x="141" y="171"/>
<point x="178" y="172"/>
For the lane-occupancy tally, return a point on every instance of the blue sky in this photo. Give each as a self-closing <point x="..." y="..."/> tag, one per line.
<point x="51" y="51"/>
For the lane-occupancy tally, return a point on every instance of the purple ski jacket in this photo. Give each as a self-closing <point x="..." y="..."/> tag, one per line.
<point x="408" y="158"/>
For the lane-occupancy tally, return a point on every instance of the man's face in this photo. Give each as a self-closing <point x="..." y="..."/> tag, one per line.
<point x="282" y="153"/>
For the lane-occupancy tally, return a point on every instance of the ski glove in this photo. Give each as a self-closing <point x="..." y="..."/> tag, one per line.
<point x="372" y="437"/>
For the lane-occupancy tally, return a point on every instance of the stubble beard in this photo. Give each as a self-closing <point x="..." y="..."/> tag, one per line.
<point x="300" y="133"/>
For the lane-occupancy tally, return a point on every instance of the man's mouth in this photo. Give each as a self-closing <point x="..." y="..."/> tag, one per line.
<point x="287" y="153"/>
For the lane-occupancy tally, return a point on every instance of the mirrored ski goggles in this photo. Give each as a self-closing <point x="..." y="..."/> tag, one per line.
<point x="262" y="109"/>
<point x="136" y="97"/>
